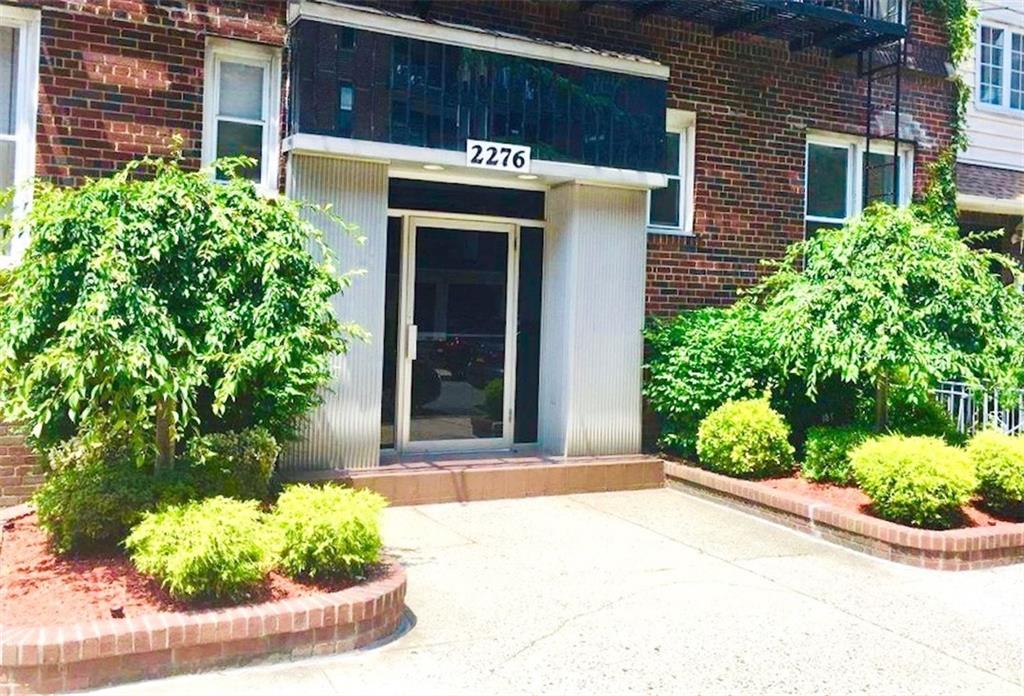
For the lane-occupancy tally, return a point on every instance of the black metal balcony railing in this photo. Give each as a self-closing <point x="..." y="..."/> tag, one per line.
<point x="843" y="27"/>
<point x="873" y="30"/>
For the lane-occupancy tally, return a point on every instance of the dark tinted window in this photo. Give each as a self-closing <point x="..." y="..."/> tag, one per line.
<point x="413" y="194"/>
<point x="422" y="93"/>
<point x="531" y="258"/>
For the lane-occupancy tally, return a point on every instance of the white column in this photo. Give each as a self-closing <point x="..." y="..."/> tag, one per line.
<point x="345" y="431"/>
<point x="595" y="251"/>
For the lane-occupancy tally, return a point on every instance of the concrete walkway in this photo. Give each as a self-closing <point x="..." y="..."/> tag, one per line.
<point x="655" y="592"/>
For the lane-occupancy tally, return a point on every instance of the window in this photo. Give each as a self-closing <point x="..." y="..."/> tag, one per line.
<point x="828" y="185"/>
<point x="1017" y="72"/>
<point x="1000" y="68"/>
<point x="835" y="173"/>
<point x="889" y="10"/>
<point x="242" y="107"/>
<point x="19" y="76"/>
<point x="670" y="209"/>
<point x="347" y="100"/>
<point x="991" y="61"/>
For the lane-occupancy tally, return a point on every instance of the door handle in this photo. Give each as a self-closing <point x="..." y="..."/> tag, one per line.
<point x="411" y="336"/>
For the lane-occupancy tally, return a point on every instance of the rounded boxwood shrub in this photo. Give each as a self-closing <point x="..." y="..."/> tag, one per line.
<point x="745" y="438"/>
<point x="233" y="464"/>
<point x="93" y="494"/>
<point x="327" y="532"/>
<point x="827" y="453"/>
<point x="218" y="548"/>
<point x="998" y="460"/>
<point x="920" y="481"/>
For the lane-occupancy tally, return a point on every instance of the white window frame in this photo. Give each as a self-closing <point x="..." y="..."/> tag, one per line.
<point x="683" y="123"/>
<point x="875" y="10"/>
<point x="855" y="147"/>
<point x="27" y="22"/>
<point x="267" y="57"/>
<point x="1007" y="70"/>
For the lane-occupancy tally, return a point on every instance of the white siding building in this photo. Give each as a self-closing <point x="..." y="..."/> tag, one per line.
<point x="990" y="173"/>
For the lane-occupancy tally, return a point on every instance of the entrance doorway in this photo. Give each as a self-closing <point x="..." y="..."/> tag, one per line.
<point x="457" y="335"/>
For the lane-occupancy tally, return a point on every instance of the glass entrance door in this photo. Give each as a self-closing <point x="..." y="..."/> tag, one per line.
<point x="459" y="311"/>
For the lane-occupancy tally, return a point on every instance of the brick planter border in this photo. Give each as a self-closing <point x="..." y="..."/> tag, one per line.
<point x="955" y="549"/>
<point x="98" y="653"/>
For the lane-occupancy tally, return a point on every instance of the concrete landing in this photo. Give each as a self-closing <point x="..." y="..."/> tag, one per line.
<point x="423" y="479"/>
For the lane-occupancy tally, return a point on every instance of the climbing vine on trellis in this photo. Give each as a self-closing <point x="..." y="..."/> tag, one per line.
<point x="961" y="18"/>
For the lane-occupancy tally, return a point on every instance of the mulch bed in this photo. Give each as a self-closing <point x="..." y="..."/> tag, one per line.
<point x="852" y="498"/>
<point x="39" y="588"/>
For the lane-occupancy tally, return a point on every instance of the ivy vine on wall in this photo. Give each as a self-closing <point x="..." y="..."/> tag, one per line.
<point x="961" y="18"/>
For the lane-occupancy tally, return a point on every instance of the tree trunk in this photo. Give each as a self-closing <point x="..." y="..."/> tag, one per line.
<point x="882" y="402"/>
<point x="165" y="435"/>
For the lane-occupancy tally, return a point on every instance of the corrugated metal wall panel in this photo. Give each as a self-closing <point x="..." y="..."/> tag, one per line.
<point x="345" y="431"/>
<point x="595" y="259"/>
<point x="555" y="331"/>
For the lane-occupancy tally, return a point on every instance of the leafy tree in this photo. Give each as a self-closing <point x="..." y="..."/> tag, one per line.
<point x="157" y="303"/>
<point x="895" y="299"/>
<point x="701" y="359"/>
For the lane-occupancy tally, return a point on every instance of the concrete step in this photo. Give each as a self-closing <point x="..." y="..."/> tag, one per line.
<point x="462" y="479"/>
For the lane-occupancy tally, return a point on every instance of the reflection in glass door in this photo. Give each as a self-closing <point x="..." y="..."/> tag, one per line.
<point x="460" y="307"/>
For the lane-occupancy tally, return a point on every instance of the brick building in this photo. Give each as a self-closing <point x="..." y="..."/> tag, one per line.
<point x="647" y="155"/>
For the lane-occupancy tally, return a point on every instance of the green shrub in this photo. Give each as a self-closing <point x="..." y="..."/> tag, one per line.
<point x="998" y="460"/>
<point x="827" y="453"/>
<point x="893" y="299"/>
<point x="921" y="415"/>
<point x="93" y="494"/>
<point x="700" y="360"/>
<point x="327" y="532"/>
<point x="920" y="481"/>
<point x="158" y="285"/>
<point x="215" y="549"/>
<point x="234" y="465"/>
<point x="745" y="438"/>
<point x="494" y="399"/>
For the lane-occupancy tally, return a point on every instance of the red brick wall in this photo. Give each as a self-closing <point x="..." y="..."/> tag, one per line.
<point x="18" y="473"/>
<point x="118" y="78"/>
<point x="754" y="103"/>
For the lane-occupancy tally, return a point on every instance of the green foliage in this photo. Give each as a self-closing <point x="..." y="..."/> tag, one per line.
<point x="701" y="359"/>
<point x="217" y="549"/>
<point x="827" y="453"/>
<point x="939" y="202"/>
<point x="998" y="460"/>
<point x="745" y="438"/>
<point x="328" y="531"/>
<point x="920" y="481"/>
<point x="160" y="285"/>
<point x="961" y="18"/>
<point x="494" y="398"/>
<point x="94" y="493"/>
<point x="922" y="415"/>
<point x="890" y="297"/>
<point x="233" y="465"/>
